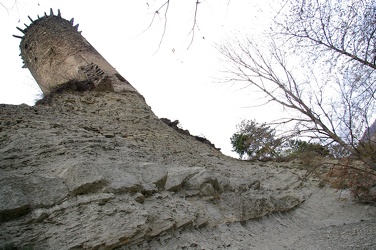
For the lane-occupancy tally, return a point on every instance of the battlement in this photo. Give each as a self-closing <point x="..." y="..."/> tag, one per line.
<point x="55" y="52"/>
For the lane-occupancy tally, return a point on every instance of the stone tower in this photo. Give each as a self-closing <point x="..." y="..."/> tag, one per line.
<point x="55" y="52"/>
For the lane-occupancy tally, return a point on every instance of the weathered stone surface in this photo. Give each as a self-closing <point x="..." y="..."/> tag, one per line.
<point x="83" y="178"/>
<point x="14" y="202"/>
<point x="178" y="175"/>
<point x="98" y="170"/>
<point x="20" y="194"/>
<point x="55" y="52"/>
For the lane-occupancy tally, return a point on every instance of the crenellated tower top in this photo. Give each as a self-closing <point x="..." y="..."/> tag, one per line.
<point x="55" y="52"/>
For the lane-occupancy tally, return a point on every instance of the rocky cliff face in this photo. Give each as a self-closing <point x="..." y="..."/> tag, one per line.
<point x="98" y="170"/>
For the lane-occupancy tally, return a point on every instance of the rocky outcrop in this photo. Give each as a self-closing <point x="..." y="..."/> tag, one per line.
<point x="98" y="170"/>
<point x="175" y="125"/>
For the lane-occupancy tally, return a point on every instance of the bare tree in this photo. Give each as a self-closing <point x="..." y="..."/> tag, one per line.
<point x="329" y="81"/>
<point x="342" y="28"/>
<point x="342" y="35"/>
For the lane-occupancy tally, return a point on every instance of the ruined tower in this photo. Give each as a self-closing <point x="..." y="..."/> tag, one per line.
<point x="55" y="52"/>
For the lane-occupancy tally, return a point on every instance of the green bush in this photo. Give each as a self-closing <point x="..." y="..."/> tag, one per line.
<point x="298" y="148"/>
<point x="255" y="141"/>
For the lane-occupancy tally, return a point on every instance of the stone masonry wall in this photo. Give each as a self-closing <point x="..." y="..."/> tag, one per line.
<point x="55" y="52"/>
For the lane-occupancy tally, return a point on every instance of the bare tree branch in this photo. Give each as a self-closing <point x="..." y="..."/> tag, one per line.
<point x="163" y="9"/>
<point x="6" y="8"/>
<point x="192" y="31"/>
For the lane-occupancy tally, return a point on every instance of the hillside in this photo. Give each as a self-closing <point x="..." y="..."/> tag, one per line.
<point x="98" y="170"/>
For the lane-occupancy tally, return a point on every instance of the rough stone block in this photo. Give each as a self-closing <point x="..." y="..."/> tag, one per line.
<point x="177" y="176"/>
<point x="13" y="202"/>
<point x="83" y="178"/>
<point x="198" y="180"/>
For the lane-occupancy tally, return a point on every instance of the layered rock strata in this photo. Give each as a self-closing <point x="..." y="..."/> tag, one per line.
<point x="100" y="170"/>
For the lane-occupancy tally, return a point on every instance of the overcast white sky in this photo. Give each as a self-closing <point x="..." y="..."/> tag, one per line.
<point x="178" y="83"/>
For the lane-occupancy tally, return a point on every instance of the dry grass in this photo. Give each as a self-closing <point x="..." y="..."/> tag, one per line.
<point x="350" y="174"/>
<point x="68" y="86"/>
<point x="346" y="173"/>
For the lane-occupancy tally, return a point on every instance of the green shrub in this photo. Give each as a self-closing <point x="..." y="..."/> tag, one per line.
<point x="298" y="148"/>
<point x="255" y="141"/>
